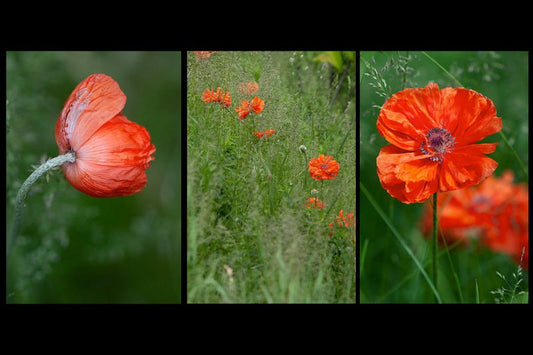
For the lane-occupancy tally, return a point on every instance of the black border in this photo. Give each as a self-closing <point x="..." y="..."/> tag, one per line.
<point x="358" y="46"/>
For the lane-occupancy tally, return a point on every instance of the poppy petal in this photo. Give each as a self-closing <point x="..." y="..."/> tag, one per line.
<point x="113" y="161"/>
<point x="407" y="176"/>
<point x="95" y="101"/>
<point x="466" y="166"/>
<point x="469" y="116"/>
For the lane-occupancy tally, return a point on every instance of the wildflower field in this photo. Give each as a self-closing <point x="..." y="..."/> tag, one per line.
<point x="444" y="132"/>
<point x="110" y="233"/>
<point x="271" y="177"/>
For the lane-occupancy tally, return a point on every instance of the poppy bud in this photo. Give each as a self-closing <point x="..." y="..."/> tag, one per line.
<point x="112" y="152"/>
<point x="303" y="149"/>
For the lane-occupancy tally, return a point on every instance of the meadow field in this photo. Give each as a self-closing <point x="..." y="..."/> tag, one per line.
<point x="396" y="248"/>
<point x="260" y="229"/>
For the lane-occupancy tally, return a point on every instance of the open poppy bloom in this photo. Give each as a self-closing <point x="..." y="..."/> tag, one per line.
<point x="267" y="133"/>
<point x="433" y="134"/>
<point x="323" y="168"/>
<point x="219" y="96"/>
<point x="494" y="212"/>
<point x="249" y="88"/>
<point x="112" y="152"/>
<point x="256" y="105"/>
<point x="203" y="54"/>
<point x="313" y="202"/>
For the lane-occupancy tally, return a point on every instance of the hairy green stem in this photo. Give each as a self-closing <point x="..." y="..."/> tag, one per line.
<point x="26" y="186"/>
<point x="435" y="229"/>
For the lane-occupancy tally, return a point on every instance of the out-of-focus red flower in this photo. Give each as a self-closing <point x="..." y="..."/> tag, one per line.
<point x="495" y="212"/>
<point x="266" y="133"/>
<point x="323" y="167"/>
<point x="204" y="54"/>
<point x="313" y="202"/>
<point x="433" y="135"/>
<point x="256" y="105"/>
<point x="249" y="88"/>
<point x="218" y="96"/>
<point x="343" y="220"/>
<point x="112" y="152"/>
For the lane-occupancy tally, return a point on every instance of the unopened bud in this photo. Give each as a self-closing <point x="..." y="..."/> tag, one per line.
<point x="303" y="149"/>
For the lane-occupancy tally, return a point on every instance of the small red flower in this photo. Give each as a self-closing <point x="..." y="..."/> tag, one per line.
<point x="433" y="135"/>
<point x="219" y="96"/>
<point x="204" y="54"/>
<point x="256" y="105"/>
<point x="313" y="202"/>
<point x="248" y="88"/>
<point x="112" y="152"/>
<point x="342" y="220"/>
<point x="323" y="167"/>
<point x="266" y="133"/>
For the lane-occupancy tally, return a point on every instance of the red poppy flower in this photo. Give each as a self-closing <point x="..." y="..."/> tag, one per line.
<point x="256" y="105"/>
<point x="495" y="212"/>
<point x="112" y="152"/>
<point x="219" y="96"/>
<point x="323" y="167"/>
<point x="313" y="202"/>
<point x="433" y="134"/>
<point x="342" y="220"/>
<point x="203" y="54"/>
<point x="266" y="133"/>
<point x="248" y="88"/>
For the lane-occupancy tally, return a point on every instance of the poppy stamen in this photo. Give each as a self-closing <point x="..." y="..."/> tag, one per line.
<point x="438" y="142"/>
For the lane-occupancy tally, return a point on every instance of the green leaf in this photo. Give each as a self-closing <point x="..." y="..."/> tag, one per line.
<point x="332" y="57"/>
<point x="349" y="56"/>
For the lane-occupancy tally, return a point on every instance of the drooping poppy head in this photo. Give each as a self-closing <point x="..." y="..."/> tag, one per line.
<point x="433" y="134"/>
<point x="323" y="168"/>
<point x="249" y="88"/>
<point x="112" y="152"/>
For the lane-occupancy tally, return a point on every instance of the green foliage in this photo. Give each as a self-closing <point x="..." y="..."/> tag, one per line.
<point x="466" y="274"/>
<point x="250" y="237"/>
<point x="74" y="248"/>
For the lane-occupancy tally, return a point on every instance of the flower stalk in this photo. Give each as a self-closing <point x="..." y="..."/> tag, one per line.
<point x="69" y="157"/>
<point x="435" y="229"/>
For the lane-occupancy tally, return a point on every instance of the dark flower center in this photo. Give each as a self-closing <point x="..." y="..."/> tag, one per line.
<point x="439" y="142"/>
<point x="324" y="166"/>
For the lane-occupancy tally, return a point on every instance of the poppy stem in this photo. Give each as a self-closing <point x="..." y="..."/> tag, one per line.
<point x="435" y="228"/>
<point x="26" y="186"/>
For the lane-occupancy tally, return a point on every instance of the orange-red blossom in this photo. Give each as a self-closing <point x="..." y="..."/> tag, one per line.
<point x="433" y="135"/>
<point x="256" y="105"/>
<point x="266" y="133"/>
<point x="324" y="167"/>
<point x="112" y="152"/>
<point x="218" y="96"/>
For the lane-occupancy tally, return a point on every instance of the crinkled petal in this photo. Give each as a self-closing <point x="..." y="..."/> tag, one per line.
<point x="95" y="101"/>
<point x="113" y="161"/>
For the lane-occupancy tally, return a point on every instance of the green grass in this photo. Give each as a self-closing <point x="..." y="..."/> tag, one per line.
<point x="465" y="274"/>
<point x="250" y="238"/>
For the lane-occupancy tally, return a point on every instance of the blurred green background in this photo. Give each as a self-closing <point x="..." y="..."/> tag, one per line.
<point x="73" y="248"/>
<point x="386" y="269"/>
